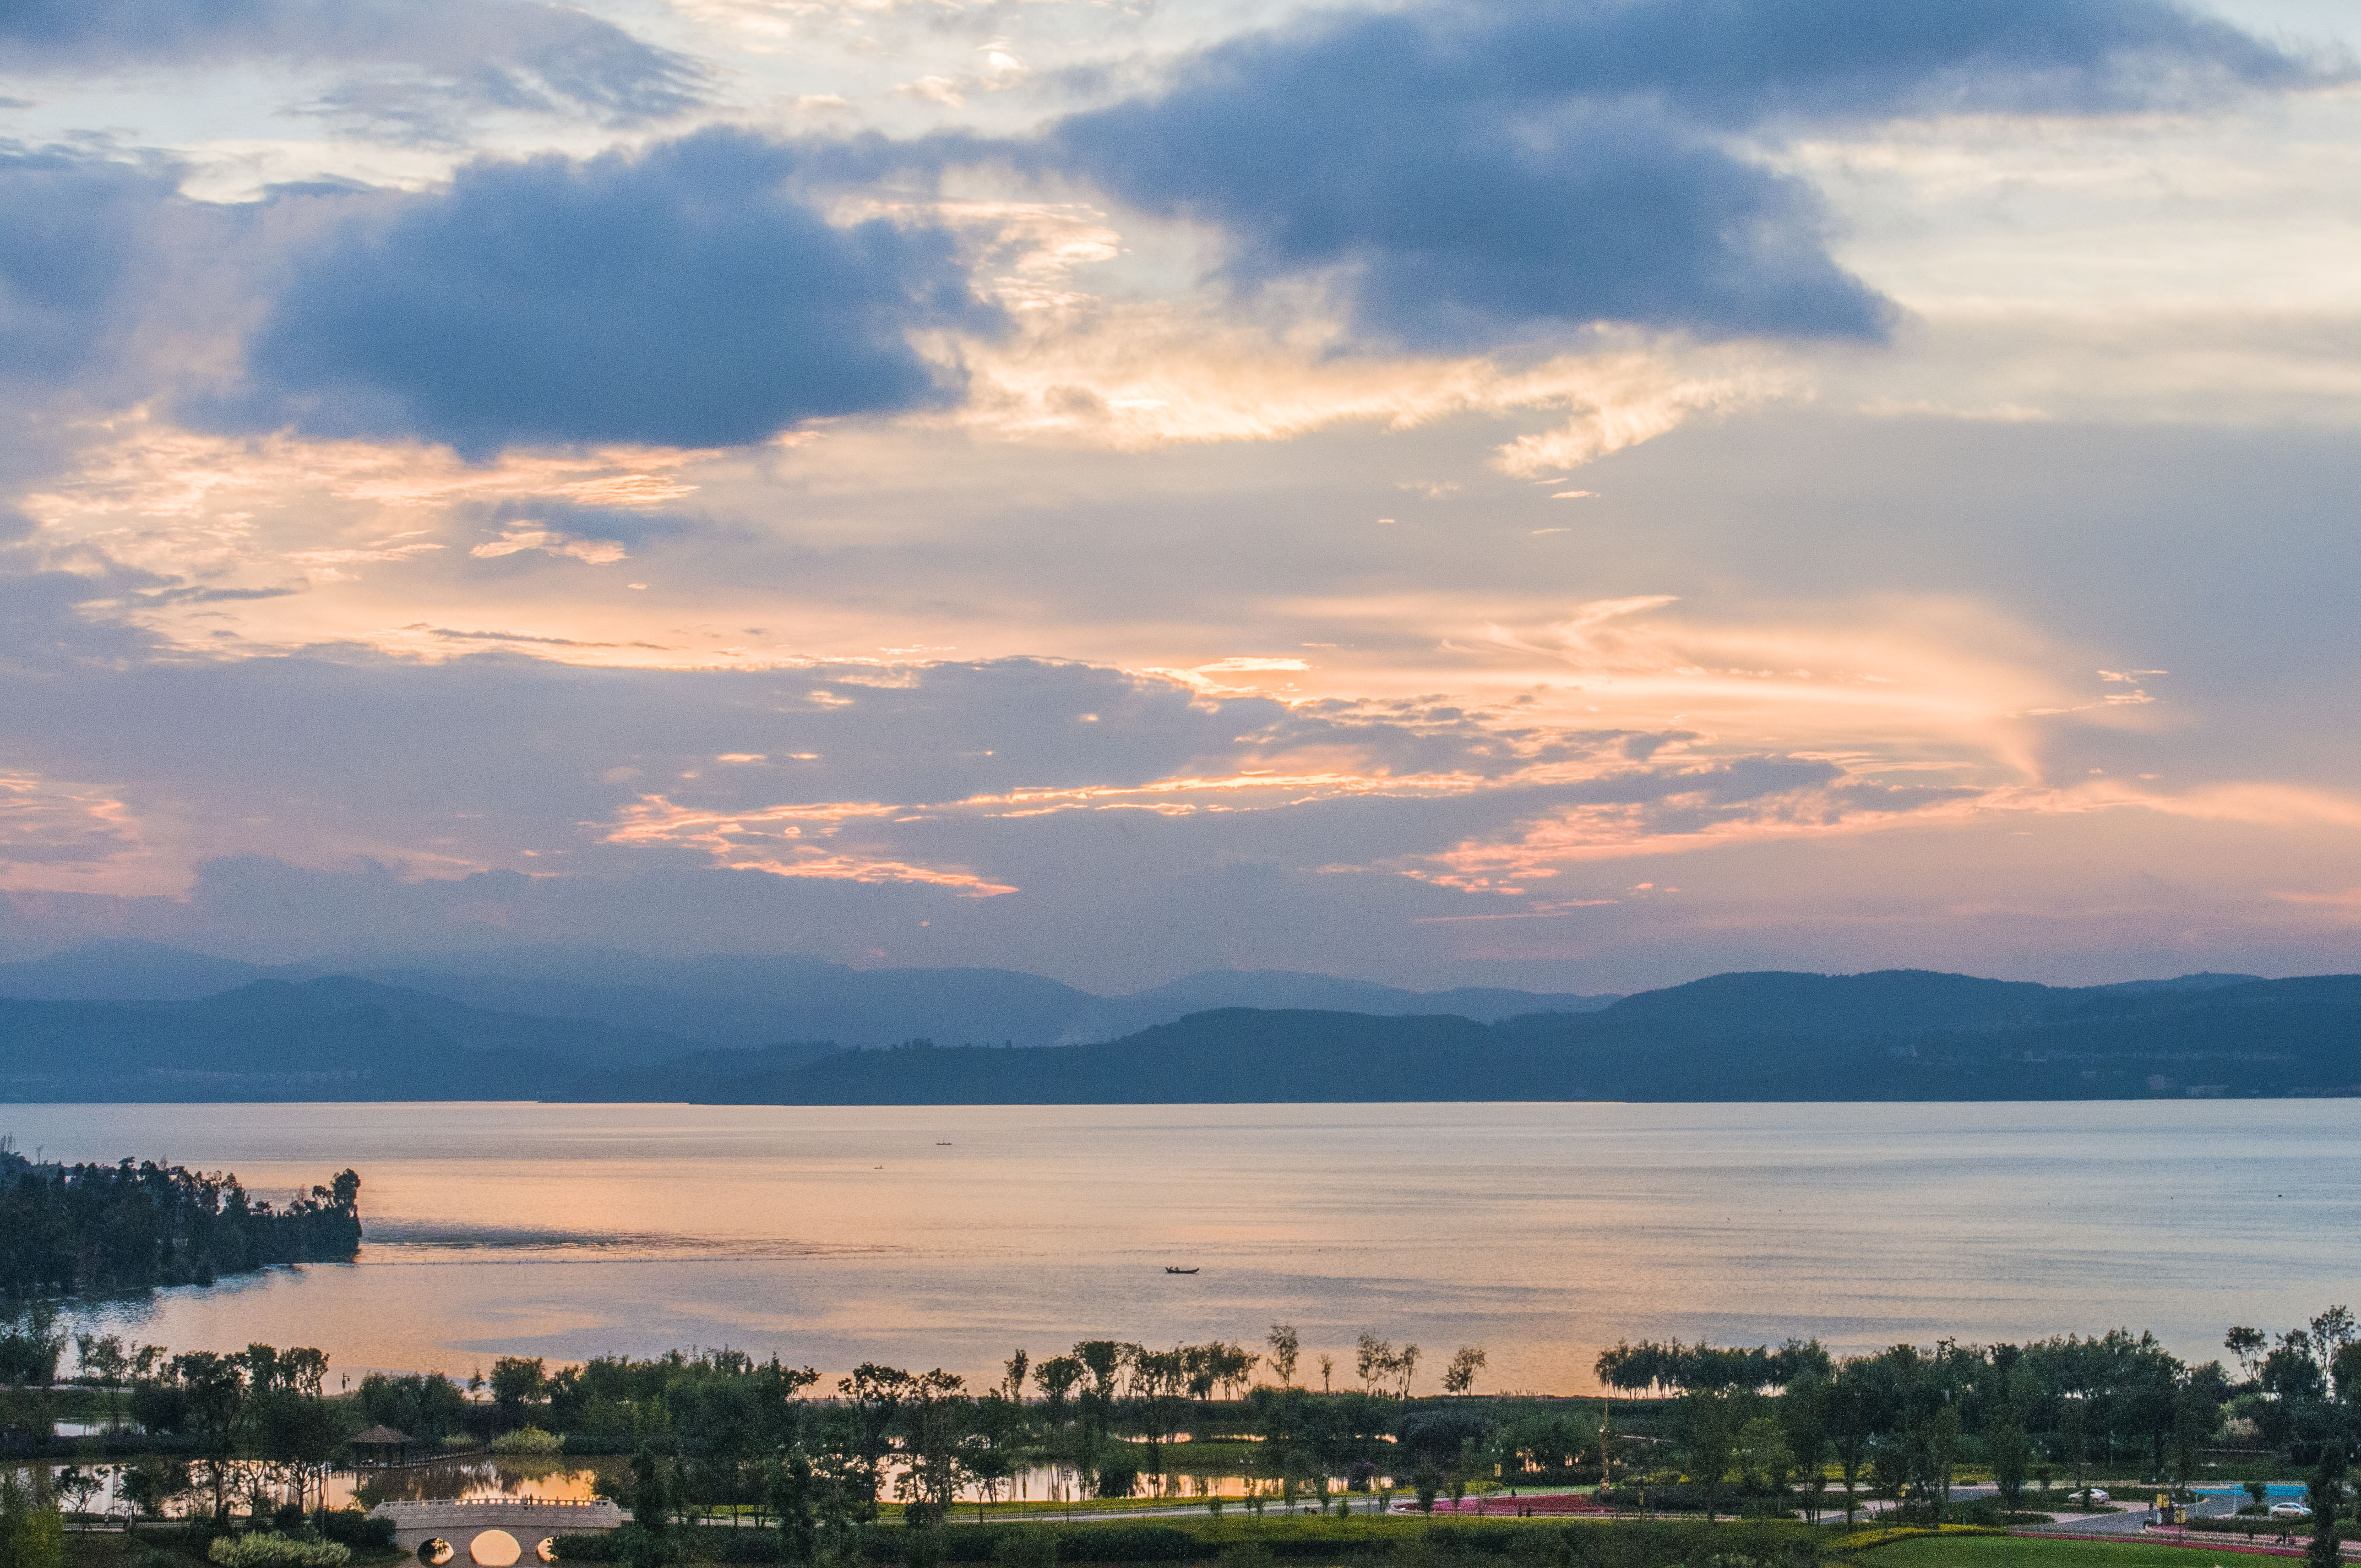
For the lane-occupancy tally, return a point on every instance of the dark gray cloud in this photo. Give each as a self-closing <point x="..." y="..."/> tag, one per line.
<point x="1463" y="174"/>
<point x="74" y="230"/>
<point x="686" y="296"/>
<point x="417" y="54"/>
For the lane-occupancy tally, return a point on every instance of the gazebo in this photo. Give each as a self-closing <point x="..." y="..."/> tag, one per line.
<point x="379" y="1445"/>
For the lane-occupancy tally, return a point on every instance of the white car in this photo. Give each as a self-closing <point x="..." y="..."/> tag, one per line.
<point x="2095" y="1495"/>
<point x="2290" y="1511"/>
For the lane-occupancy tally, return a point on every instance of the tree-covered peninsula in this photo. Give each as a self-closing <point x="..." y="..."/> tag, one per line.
<point x="68" y="1229"/>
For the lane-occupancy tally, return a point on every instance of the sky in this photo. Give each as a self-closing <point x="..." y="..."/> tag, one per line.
<point x="1577" y="496"/>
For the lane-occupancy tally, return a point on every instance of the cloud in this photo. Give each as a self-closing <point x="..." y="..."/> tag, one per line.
<point x="74" y="230"/>
<point x="684" y="296"/>
<point x="312" y="804"/>
<point x="515" y="540"/>
<point x="417" y="54"/>
<point x="1465" y="176"/>
<point x="45" y="828"/>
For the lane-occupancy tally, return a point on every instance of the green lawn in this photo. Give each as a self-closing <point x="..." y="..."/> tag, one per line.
<point x="2018" y="1551"/>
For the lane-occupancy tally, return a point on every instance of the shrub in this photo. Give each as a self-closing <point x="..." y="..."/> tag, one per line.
<point x="32" y="1533"/>
<point x="356" y="1529"/>
<point x="277" y="1551"/>
<point x="529" y="1440"/>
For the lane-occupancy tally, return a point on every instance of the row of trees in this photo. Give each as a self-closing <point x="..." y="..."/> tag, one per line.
<point x="1787" y="1425"/>
<point x="264" y="1427"/>
<point x="717" y="1430"/>
<point x="68" y="1228"/>
<point x="1899" y="1423"/>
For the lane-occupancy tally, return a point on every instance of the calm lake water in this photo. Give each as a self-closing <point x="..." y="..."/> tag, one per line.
<point x="949" y="1236"/>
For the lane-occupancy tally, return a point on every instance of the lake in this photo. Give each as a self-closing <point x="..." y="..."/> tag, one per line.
<point x="949" y="1236"/>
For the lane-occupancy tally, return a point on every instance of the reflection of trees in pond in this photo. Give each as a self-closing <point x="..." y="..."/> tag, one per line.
<point x="569" y="1480"/>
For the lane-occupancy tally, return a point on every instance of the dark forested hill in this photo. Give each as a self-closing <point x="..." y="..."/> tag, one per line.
<point x="1897" y="1035"/>
<point x="1234" y="1055"/>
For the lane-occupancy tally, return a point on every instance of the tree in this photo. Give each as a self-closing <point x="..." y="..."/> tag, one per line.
<point x="1103" y="1358"/>
<point x="1463" y="1470"/>
<point x="1327" y="1368"/>
<point x="2331" y="1332"/>
<point x="1014" y="1383"/>
<point x="2011" y="1452"/>
<point x="873" y="1396"/>
<point x="1459" y="1378"/>
<point x="1234" y="1367"/>
<point x="1056" y="1378"/>
<point x="2194" y="1418"/>
<point x="1708" y="1428"/>
<point x="1372" y="1359"/>
<point x="152" y="1483"/>
<point x="30" y="1344"/>
<point x="1852" y="1428"/>
<point x="2345" y="1372"/>
<point x="1404" y="1363"/>
<point x="2247" y="1347"/>
<point x="77" y="1486"/>
<point x="1762" y="1456"/>
<point x="934" y="1411"/>
<point x="2074" y="1423"/>
<point x="2327" y="1490"/>
<point x="791" y="1492"/>
<point x="1804" y="1417"/>
<point x="215" y="1388"/>
<point x="1284" y="1349"/>
<point x="516" y="1380"/>
<point x="1943" y="1452"/>
<point x="32" y="1533"/>
<point x="650" y="1541"/>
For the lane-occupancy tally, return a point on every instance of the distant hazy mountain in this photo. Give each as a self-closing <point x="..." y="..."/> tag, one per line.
<point x="1284" y="989"/>
<point x="267" y="1041"/>
<point x="124" y="971"/>
<point x="734" y="1000"/>
<point x="333" y="1038"/>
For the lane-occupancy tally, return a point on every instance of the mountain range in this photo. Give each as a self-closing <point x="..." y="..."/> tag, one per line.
<point x="758" y="999"/>
<point x="131" y="1021"/>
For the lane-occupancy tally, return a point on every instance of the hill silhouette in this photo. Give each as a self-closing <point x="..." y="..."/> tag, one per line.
<point x="1895" y="1035"/>
<point x="1901" y="1034"/>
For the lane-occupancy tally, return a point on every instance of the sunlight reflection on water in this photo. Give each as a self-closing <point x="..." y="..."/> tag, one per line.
<point x="951" y="1235"/>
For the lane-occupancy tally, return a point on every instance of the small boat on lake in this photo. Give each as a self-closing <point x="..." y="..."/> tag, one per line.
<point x="1171" y="1269"/>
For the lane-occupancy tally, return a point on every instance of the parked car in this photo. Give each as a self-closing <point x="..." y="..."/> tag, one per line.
<point x="2290" y="1511"/>
<point x="2095" y="1495"/>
